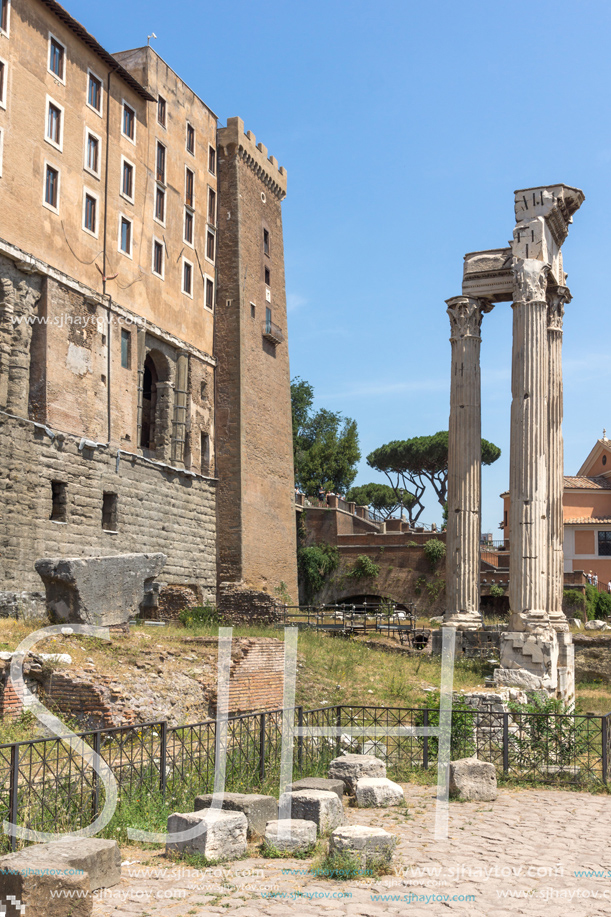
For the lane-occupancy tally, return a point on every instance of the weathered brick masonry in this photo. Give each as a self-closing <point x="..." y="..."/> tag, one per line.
<point x="159" y="508"/>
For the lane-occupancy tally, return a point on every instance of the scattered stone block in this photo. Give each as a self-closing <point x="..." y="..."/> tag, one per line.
<point x="575" y="622"/>
<point x="98" y="590"/>
<point x="224" y="837"/>
<point x="473" y="780"/>
<point x="291" y="835"/>
<point x="349" y="768"/>
<point x="370" y="846"/>
<point x="375" y="748"/>
<point x="259" y="810"/>
<point x="318" y="783"/>
<point x="595" y="625"/>
<point x="99" y="858"/>
<point x="377" y="792"/>
<point x="323" y="808"/>
<point x="34" y="887"/>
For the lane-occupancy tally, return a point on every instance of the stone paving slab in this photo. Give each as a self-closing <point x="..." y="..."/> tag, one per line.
<point x="515" y="856"/>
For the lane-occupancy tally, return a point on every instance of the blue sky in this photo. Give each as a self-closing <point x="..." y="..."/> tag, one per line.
<point x="405" y="128"/>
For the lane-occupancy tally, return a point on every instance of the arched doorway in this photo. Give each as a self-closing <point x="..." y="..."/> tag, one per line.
<point x="149" y="404"/>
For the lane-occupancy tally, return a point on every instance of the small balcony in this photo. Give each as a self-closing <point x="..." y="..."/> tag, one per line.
<point x="272" y="333"/>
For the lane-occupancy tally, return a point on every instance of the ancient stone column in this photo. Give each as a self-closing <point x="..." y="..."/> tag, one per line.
<point x="464" y="464"/>
<point x="556" y="299"/>
<point x="17" y="303"/>
<point x="528" y="474"/>
<point x="180" y="408"/>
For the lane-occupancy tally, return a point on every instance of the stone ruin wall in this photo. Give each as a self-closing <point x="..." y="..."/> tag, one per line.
<point x="159" y="509"/>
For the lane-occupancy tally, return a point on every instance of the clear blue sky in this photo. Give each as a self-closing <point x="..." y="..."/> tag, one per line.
<point x="405" y="128"/>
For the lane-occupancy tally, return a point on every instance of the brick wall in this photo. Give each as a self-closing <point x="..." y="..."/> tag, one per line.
<point x="256" y="680"/>
<point x="159" y="509"/>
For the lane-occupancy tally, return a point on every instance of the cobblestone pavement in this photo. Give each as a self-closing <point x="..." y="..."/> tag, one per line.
<point x="527" y="853"/>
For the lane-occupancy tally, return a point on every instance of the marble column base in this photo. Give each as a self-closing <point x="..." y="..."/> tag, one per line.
<point x="529" y="661"/>
<point x="463" y="620"/>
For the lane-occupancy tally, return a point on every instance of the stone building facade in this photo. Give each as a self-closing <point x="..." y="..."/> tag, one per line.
<point x="110" y="258"/>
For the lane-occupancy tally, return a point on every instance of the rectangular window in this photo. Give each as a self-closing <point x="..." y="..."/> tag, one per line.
<point x="205" y="453"/>
<point x="129" y="122"/>
<point x="2" y="84"/>
<point x="109" y="512"/>
<point x="160" y="205"/>
<point x="604" y="544"/>
<point x="158" y="258"/>
<point x="127" y="180"/>
<point x="59" y="501"/>
<point x="126" y="349"/>
<point x="211" y="206"/>
<point x="52" y="187"/>
<point x="161" y="109"/>
<point x="189" y="187"/>
<point x="265" y="242"/>
<point x="57" y="58"/>
<point x="125" y="236"/>
<point x="90" y="214"/>
<point x="4" y="15"/>
<point x="93" y="154"/>
<point x="212" y="160"/>
<point x="268" y="320"/>
<point x="94" y="93"/>
<point x="187" y="277"/>
<point x="209" y="294"/>
<point x="210" y="246"/>
<point x="188" y="227"/>
<point x="190" y="139"/>
<point x="54" y="124"/>
<point x="161" y="163"/>
<point x="267" y="277"/>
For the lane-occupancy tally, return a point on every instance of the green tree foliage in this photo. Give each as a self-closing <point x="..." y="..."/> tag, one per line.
<point x="413" y="463"/>
<point x="380" y="497"/>
<point x="325" y="444"/>
<point x="314" y="564"/>
<point x="364" y="568"/>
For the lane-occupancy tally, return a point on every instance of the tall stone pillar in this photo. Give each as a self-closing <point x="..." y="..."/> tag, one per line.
<point x="528" y="477"/>
<point x="556" y="299"/>
<point x="180" y="408"/>
<point x="464" y="464"/>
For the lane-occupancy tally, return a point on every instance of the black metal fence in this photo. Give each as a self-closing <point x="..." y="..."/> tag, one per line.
<point x="46" y="785"/>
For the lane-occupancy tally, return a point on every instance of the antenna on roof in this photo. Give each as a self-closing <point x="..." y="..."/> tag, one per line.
<point x="148" y="38"/>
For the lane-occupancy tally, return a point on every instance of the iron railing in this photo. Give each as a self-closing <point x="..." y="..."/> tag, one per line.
<point x="46" y="785"/>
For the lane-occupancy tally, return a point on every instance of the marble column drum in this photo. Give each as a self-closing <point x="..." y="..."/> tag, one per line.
<point x="464" y="464"/>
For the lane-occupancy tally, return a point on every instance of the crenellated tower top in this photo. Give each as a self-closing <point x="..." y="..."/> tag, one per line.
<point x="254" y="155"/>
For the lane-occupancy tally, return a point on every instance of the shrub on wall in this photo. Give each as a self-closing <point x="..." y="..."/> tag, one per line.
<point x="603" y="605"/>
<point x="496" y="590"/>
<point x="434" y="551"/>
<point x="573" y="603"/>
<point x="314" y="565"/>
<point x="364" y="568"/>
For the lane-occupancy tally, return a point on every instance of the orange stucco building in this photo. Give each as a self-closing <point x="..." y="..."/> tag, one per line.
<point x="587" y="515"/>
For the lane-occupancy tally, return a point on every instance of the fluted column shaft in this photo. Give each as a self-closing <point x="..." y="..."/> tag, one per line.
<point x="556" y="300"/>
<point x="528" y="477"/>
<point x="464" y="464"/>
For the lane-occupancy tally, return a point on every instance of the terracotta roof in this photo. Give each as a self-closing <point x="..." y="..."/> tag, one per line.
<point x="583" y="483"/>
<point x="588" y="520"/>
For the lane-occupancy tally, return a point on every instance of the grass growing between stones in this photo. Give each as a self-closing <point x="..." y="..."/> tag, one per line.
<point x="341" y="865"/>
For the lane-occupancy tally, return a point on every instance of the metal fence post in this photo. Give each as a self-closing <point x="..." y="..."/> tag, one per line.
<point x="338" y="723"/>
<point x="605" y="748"/>
<point x="95" y="788"/>
<point x="262" y="747"/>
<point x="163" y="753"/>
<point x="14" y="797"/>
<point x="505" y="743"/>
<point x="300" y="739"/>
<point x="425" y="747"/>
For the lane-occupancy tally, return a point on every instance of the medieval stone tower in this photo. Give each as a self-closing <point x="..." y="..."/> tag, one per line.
<point x="255" y="508"/>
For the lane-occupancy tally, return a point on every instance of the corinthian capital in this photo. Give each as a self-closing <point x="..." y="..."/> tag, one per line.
<point x="557" y="297"/>
<point x="466" y="316"/>
<point x="529" y="280"/>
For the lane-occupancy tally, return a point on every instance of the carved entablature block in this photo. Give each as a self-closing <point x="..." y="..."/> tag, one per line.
<point x="488" y="275"/>
<point x="543" y="216"/>
<point x="466" y="316"/>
